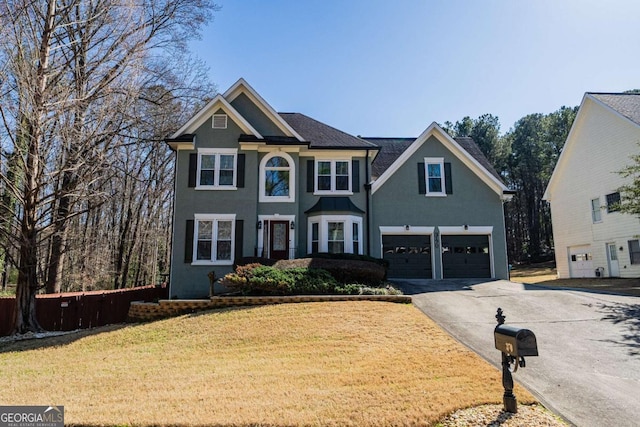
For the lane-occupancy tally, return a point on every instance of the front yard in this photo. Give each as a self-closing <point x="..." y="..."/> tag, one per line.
<point x="341" y="364"/>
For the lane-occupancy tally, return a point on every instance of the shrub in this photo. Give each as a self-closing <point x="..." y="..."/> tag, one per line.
<point x="255" y="279"/>
<point x="254" y="260"/>
<point x="353" y="257"/>
<point x="342" y="270"/>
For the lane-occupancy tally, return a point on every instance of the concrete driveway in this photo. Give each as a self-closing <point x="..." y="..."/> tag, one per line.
<point x="588" y="370"/>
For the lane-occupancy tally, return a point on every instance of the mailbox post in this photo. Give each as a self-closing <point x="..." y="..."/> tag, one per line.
<point x="514" y="343"/>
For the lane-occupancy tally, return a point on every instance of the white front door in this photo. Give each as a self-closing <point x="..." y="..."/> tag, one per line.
<point x="612" y="257"/>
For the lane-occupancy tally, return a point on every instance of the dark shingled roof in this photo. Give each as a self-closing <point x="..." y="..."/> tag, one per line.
<point x="392" y="148"/>
<point x="627" y="104"/>
<point x="334" y="204"/>
<point x="320" y="135"/>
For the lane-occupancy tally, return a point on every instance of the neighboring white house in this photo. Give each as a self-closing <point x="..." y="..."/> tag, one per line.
<point x="591" y="237"/>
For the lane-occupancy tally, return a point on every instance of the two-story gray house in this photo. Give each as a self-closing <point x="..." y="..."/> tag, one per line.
<point x="253" y="182"/>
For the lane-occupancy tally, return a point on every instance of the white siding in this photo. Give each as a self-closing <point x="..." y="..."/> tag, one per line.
<point x="599" y="145"/>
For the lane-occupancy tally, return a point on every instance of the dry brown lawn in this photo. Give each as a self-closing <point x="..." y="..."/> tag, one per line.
<point x="315" y="364"/>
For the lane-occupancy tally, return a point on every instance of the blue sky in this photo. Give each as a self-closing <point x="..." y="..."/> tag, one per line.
<point x="390" y="68"/>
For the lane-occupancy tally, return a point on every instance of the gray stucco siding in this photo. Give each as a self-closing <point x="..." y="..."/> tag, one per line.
<point x="255" y="116"/>
<point x="398" y="202"/>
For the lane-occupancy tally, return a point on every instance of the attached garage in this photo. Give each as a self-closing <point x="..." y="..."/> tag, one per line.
<point x="409" y="256"/>
<point x="466" y="256"/>
<point x="580" y="262"/>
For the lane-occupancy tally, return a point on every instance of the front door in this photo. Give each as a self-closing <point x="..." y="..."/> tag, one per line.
<point x="612" y="256"/>
<point x="279" y="242"/>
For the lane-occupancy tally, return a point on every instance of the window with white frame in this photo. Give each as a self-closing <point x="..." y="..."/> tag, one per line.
<point x="277" y="178"/>
<point x="634" y="251"/>
<point x="333" y="176"/>
<point x="217" y="169"/>
<point x="213" y="242"/>
<point x="434" y="175"/>
<point x="335" y="234"/>
<point x="613" y="202"/>
<point x="596" y="215"/>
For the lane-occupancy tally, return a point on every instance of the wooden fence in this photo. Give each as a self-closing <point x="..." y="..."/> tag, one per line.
<point x="80" y="310"/>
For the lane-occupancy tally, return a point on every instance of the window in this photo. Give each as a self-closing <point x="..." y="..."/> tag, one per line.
<point x="219" y="121"/>
<point x="216" y="169"/>
<point x="356" y="237"/>
<point x="596" y="215"/>
<point x="336" y="237"/>
<point x="276" y="173"/>
<point x="434" y="174"/>
<point x="213" y="243"/>
<point x="333" y="176"/>
<point x="335" y="234"/>
<point x="634" y="251"/>
<point x="315" y="238"/>
<point x="613" y="202"/>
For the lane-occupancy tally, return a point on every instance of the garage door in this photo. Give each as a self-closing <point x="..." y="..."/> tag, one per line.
<point x="409" y="256"/>
<point x="580" y="262"/>
<point x="465" y="256"/>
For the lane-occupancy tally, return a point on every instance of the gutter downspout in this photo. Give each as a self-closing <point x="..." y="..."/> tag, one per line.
<point x="367" y="189"/>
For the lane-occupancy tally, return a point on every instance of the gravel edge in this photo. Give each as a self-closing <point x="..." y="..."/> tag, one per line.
<point x="494" y="416"/>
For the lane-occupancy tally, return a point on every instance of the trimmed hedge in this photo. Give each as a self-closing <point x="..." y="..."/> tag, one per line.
<point x="342" y="270"/>
<point x="256" y="279"/>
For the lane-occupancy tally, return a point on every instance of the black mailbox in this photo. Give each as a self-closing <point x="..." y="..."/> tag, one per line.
<point x="517" y="342"/>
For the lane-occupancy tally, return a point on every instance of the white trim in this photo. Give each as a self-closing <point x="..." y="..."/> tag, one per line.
<point x="440" y="162"/>
<point x="469" y="230"/>
<point x="214" y="218"/>
<point x="323" y="232"/>
<point x="262" y="198"/>
<point x="218" y="102"/>
<point x="333" y="175"/>
<point x="409" y="230"/>
<point x="241" y="86"/>
<point x="217" y="152"/>
<point x="277" y="217"/>
<point x="453" y="147"/>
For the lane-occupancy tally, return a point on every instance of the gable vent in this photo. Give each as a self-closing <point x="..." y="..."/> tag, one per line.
<point x="219" y="121"/>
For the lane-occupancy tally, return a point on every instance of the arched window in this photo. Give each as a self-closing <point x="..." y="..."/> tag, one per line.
<point x="277" y="178"/>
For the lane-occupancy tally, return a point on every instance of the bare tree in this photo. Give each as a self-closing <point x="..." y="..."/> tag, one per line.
<point x="75" y="75"/>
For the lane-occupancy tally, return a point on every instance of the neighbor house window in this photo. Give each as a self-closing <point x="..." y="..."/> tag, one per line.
<point x="217" y="169"/>
<point x="634" y="251"/>
<point x="333" y="176"/>
<point x="219" y="121"/>
<point x="596" y="215"/>
<point x="213" y="242"/>
<point x="613" y="202"/>
<point x="277" y="173"/>
<point x="335" y="234"/>
<point x="434" y="175"/>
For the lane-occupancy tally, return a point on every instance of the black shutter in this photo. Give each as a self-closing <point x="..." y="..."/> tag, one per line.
<point x="355" y="177"/>
<point x="422" y="184"/>
<point x="240" y="171"/>
<point x="239" y="236"/>
<point x="310" y="176"/>
<point x="448" y="184"/>
<point x="193" y="168"/>
<point x="188" y="242"/>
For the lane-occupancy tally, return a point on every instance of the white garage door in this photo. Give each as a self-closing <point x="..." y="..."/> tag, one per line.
<point x="580" y="262"/>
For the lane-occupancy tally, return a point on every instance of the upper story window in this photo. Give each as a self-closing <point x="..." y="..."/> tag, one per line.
<point x="596" y="215"/>
<point x="277" y="178"/>
<point x="213" y="243"/>
<point x="613" y="202"/>
<point x="219" y="121"/>
<point x="333" y="176"/>
<point x="216" y="169"/>
<point x="434" y="175"/>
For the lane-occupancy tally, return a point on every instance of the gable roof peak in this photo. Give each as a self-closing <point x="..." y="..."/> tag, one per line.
<point x="625" y="104"/>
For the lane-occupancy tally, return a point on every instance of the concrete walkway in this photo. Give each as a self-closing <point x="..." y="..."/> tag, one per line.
<point x="588" y="370"/>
